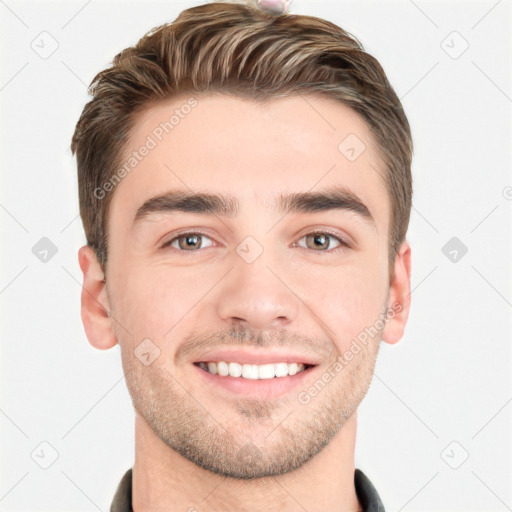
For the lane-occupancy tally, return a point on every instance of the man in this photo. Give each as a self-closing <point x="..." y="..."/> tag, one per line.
<point x="245" y="189"/>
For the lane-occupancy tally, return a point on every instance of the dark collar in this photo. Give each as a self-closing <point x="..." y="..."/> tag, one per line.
<point x="365" y="491"/>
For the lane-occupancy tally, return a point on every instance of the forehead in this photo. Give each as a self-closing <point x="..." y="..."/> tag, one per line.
<point x="251" y="150"/>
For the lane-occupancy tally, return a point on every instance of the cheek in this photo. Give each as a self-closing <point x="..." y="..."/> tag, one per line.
<point x="346" y="300"/>
<point x="150" y="300"/>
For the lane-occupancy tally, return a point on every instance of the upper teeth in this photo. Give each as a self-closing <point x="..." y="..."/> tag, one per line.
<point x="253" y="371"/>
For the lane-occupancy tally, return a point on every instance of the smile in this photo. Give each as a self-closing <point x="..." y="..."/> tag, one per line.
<point x="252" y="371"/>
<point x="261" y="381"/>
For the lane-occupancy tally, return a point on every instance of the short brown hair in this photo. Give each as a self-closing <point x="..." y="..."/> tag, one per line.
<point x="238" y="49"/>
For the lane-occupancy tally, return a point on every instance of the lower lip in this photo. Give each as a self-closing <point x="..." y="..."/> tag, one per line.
<point x="258" y="388"/>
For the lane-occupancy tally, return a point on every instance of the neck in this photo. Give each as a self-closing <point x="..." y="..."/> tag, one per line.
<point x="164" y="480"/>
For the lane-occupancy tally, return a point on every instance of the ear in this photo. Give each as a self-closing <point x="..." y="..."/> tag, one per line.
<point x="399" y="301"/>
<point x="95" y="307"/>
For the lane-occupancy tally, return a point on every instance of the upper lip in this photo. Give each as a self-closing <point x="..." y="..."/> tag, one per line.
<point x="244" y="356"/>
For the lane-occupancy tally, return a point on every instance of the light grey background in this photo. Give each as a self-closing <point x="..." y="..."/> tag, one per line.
<point x="443" y="393"/>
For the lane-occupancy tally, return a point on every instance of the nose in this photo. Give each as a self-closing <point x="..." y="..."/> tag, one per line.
<point x="257" y="295"/>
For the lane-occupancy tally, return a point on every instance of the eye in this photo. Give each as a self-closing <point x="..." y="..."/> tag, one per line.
<point x="318" y="241"/>
<point x="321" y="240"/>
<point x="186" y="241"/>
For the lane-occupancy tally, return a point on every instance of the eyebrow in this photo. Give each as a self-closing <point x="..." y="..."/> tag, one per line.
<point x="334" y="198"/>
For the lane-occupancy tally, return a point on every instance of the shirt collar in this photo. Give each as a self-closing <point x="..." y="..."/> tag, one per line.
<point x="365" y="491"/>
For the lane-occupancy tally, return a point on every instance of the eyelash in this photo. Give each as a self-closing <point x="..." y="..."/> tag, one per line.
<point x="342" y="247"/>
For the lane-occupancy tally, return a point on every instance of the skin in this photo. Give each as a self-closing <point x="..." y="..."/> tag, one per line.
<point x="192" y="439"/>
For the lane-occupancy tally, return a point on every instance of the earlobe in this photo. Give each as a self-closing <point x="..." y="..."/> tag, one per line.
<point x="399" y="296"/>
<point x="95" y="307"/>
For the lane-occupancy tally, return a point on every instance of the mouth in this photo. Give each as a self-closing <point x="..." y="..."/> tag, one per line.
<point x="253" y="371"/>
<point x="262" y="381"/>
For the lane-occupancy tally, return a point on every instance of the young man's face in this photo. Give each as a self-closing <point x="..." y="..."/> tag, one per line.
<point x="252" y="286"/>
